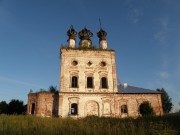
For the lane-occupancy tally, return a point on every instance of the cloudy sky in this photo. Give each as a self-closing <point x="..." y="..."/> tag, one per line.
<point x="144" y="33"/>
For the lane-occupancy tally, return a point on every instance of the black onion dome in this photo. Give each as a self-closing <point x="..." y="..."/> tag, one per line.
<point x="85" y="34"/>
<point x="102" y="34"/>
<point x="71" y="33"/>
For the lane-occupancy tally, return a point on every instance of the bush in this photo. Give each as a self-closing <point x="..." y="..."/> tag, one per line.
<point x="146" y="109"/>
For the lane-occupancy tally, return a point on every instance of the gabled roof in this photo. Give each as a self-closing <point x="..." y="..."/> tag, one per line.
<point x="134" y="90"/>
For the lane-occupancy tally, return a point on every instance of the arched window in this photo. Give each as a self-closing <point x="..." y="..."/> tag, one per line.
<point x="104" y="82"/>
<point x="74" y="82"/>
<point x="89" y="82"/>
<point x="74" y="109"/>
<point x="124" y="109"/>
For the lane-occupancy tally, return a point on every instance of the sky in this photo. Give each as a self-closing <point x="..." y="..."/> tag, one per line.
<point x="144" y="33"/>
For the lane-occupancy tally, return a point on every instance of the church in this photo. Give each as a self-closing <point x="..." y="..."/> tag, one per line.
<point x="88" y="84"/>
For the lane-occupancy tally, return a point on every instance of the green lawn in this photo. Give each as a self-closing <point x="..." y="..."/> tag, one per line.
<point x="29" y="125"/>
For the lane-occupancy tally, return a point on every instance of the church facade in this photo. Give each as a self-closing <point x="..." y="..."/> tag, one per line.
<point x="88" y="84"/>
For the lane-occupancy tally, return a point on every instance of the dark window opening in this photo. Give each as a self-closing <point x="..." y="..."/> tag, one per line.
<point x="89" y="63"/>
<point x="74" y="82"/>
<point x="103" y="64"/>
<point x="33" y="108"/>
<point x="89" y="82"/>
<point x="74" y="109"/>
<point x="74" y="63"/>
<point x="104" y="82"/>
<point x="124" y="109"/>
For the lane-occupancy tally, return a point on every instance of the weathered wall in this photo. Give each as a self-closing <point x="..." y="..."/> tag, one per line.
<point x="100" y="104"/>
<point x="82" y="70"/>
<point x="46" y="104"/>
<point x="107" y="104"/>
<point x="133" y="102"/>
<point x="32" y="99"/>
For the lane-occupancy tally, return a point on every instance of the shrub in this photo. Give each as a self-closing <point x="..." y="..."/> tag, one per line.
<point x="146" y="109"/>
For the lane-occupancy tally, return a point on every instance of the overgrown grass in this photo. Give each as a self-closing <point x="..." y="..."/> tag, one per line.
<point x="29" y="125"/>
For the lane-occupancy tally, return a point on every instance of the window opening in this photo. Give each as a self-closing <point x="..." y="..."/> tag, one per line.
<point x="32" y="108"/>
<point x="104" y="82"/>
<point x="89" y="82"/>
<point x="103" y="64"/>
<point x="74" y="109"/>
<point x="124" y="109"/>
<point x="74" y="63"/>
<point x="89" y="63"/>
<point x="74" y="82"/>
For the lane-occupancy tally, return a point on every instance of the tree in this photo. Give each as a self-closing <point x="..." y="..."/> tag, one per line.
<point x="3" y="107"/>
<point x="53" y="89"/>
<point x="146" y="109"/>
<point x="166" y="101"/>
<point x="16" y="107"/>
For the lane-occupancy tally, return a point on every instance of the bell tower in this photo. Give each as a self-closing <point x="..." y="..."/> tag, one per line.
<point x="88" y="76"/>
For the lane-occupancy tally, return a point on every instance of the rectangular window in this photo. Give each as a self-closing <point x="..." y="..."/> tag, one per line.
<point x="89" y="82"/>
<point x="124" y="109"/>
<point x="104" y="82"/>
<point x="74" y="109"/>
<point x="74" y="82"/>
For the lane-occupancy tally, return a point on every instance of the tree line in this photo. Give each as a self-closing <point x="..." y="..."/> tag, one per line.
<point x="15" y="106"/>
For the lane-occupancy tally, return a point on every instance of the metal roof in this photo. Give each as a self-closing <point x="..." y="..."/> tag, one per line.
<point x="122" y="89"/>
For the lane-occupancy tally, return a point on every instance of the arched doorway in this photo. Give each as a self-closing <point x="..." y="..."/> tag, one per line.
<point x="32" y="108"/>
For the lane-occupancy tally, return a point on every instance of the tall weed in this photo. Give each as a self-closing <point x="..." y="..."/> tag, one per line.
<point x="30" y="125"/>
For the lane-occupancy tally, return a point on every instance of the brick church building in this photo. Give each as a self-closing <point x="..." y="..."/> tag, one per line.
<point x="88" y="84"/>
